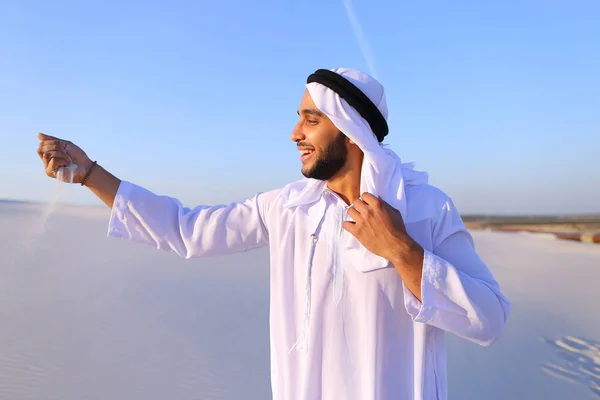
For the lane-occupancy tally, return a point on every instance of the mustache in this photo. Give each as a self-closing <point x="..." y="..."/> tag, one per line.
<point x="304" y="144"/>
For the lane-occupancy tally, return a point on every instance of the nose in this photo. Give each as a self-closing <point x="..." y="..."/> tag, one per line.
<point x="297" y="133"/>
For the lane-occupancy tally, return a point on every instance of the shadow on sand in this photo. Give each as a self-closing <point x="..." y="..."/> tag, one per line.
<point x="578" y="361"/>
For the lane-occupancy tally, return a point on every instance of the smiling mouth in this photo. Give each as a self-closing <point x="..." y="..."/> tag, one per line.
<point x="305" y="154"/>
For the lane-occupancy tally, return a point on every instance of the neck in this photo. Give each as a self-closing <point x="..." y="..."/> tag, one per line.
<point x="346" y="183"/>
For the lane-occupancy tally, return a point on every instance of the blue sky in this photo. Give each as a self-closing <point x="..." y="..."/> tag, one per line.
<point x="498" y="101"/>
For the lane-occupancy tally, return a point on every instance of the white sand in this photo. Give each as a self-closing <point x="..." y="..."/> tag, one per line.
<point x="84" y="316"/>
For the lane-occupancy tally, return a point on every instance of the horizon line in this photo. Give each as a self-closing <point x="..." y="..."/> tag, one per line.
<point x="463" y="214"/>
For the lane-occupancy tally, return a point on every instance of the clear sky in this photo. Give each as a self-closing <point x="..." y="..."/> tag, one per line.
<point x="498" y="101"/>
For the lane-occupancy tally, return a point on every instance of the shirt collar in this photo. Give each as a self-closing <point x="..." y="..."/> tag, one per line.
<point x="302" y="192"/>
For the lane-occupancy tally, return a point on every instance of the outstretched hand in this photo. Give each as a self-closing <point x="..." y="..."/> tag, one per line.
<point x="56" y="153"/>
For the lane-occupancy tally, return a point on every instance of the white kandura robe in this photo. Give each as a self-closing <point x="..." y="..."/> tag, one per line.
<point x="373" y="340"/>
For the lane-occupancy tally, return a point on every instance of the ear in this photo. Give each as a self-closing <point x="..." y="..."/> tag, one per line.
<point x="348" y="140"/>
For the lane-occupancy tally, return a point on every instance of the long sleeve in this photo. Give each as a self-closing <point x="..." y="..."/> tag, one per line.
<point x="160" y="221"/>
<point x="458" y="291"/>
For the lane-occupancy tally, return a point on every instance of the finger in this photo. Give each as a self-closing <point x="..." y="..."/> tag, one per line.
<point x="55" y="154"/>
<point x="369" y="199"/>
<point x="360" y="206"/>
<point x="349" y="226"/>
<point x="47" y="157"/>
<point x="50" y="145"/>
<point x="352" y="213"/>
<point x="43" y="136"/>
<point x="54" y="165"/>
<point x="58" y="142"/>
<point x="44" y="148"/>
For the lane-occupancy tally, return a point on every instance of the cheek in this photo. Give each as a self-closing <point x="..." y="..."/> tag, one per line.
<point x="316" y="137"/>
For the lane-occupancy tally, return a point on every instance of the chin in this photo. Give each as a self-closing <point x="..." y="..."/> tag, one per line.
<point x="306" y="169"/>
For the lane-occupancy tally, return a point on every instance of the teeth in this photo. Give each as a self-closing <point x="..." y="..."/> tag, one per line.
<point x="306" y="151"/>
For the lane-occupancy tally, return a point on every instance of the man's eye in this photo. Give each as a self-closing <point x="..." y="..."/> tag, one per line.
<point x="312" y="121"/>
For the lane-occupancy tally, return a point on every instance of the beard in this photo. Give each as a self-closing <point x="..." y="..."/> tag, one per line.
<point x="330" y="162"/>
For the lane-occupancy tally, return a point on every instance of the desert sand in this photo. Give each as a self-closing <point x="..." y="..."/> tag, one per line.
<point x="84" y="316"/>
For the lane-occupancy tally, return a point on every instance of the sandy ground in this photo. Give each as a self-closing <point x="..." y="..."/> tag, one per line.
<point x="84" y="316"/>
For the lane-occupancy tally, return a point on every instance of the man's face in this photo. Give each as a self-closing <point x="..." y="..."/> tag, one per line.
<point x="322" y="146"/>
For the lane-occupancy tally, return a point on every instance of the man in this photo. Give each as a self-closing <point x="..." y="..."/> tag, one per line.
<point x="370" y="265"/>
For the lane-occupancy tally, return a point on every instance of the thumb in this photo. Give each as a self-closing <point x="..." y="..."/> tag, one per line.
<point x="43" y="136"/>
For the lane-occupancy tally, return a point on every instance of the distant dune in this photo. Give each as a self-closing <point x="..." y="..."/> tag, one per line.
<point x="580" y="228"/>
<point x="9" y="201"/>
<point x="90" y="317"/>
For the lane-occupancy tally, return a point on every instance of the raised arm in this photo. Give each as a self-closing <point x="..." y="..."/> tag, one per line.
<point x="160" y="221"/>
<point x="163" y="222"/>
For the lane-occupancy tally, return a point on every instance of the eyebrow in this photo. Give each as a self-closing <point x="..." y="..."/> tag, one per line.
<point x="311" y="111"/>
